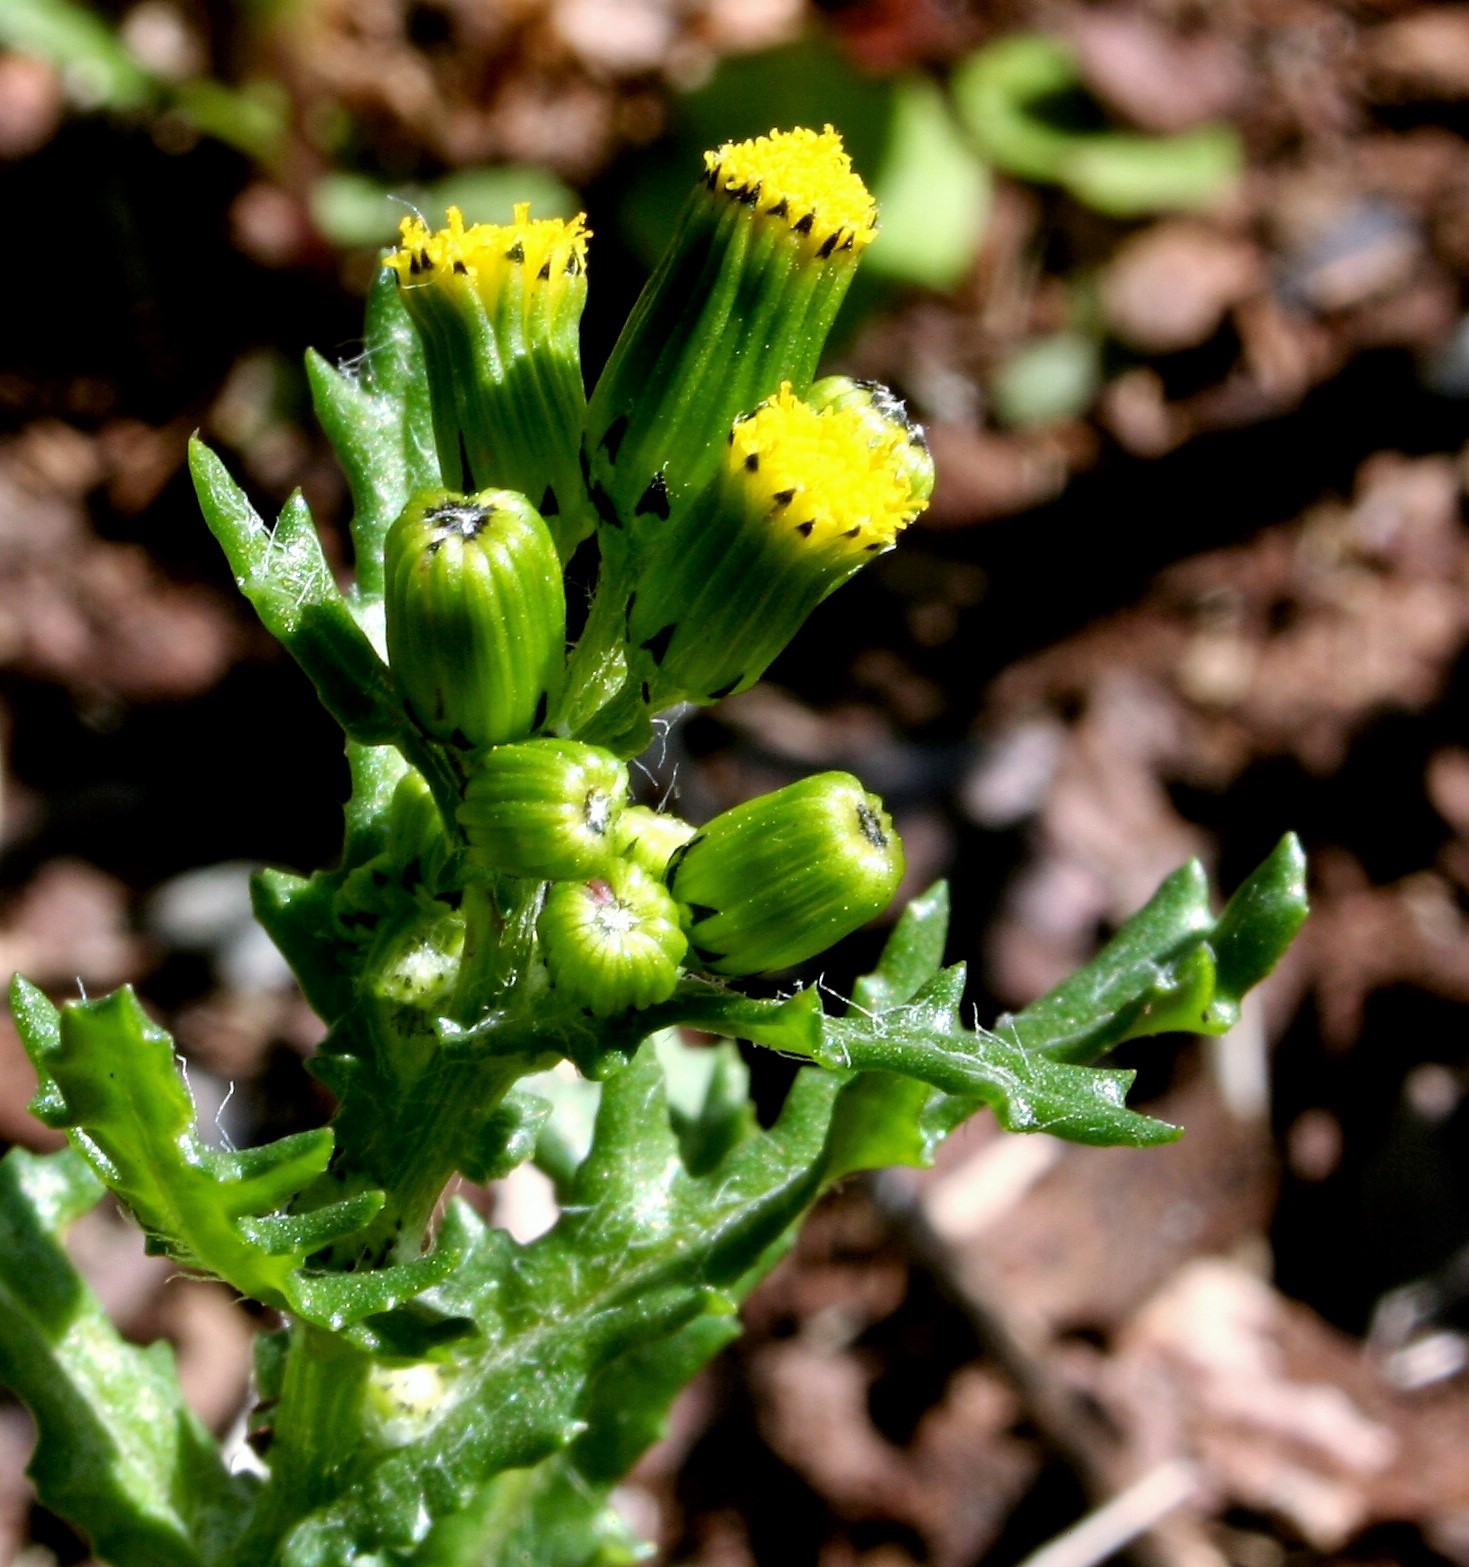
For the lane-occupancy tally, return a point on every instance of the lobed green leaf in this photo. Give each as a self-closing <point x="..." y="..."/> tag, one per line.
<point x="287" y="579"/>
<point x="108" y="1075"/>
<point x="118" y="1452"/>
<point x="1173" y="966"/>
<point x="380" y="424"/>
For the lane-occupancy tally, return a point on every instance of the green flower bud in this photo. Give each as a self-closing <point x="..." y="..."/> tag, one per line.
<point x="780" y="878"/>
<point x="882" y="411"/>
<point x="543" y="808"/>
<point x="498" y="309"/>
<point x="476" y="616"/>
<point x="613" y="942"/>
<point x="803" y="498"/>
<point x="650" y="838"/>
<point x="742" y="300"/>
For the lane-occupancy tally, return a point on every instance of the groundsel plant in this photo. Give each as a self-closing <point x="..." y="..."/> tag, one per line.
<point x="509" y="947"/>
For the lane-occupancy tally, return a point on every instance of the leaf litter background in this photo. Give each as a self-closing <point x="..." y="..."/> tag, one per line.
<point x="1197" y="571"/>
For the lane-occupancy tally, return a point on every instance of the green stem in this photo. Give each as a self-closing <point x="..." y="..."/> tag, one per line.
<point x="447" y="1105"/>
<point x="598" y="666"/>
<point x="478" y="959"/>
<point x="499" y="946"/>
<point x="416" y="1150"/>
<point x="319" y="1436"/>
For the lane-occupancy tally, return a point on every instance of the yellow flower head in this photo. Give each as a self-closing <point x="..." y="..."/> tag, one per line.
<point x="824" y="475"/>
<point x="804" y="177"/>
<point x="548" y="252"/>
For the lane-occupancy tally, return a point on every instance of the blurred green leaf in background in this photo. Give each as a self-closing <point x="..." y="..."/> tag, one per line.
<point x="357" y="211"/>
<point x="1023" y="100"/>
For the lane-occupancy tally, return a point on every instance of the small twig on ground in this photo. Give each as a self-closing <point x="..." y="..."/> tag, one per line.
<point x="1116" y="1524"/>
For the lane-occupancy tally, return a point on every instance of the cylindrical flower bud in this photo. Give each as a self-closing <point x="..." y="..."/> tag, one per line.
<point x="476" y="616"/>
<point x="742" y="300"/>
<point x="883" y="412"/>
<point x="543" y="808"/>
<point x="780" y="878"/>
<point x="650" y="838"/>
<point x="803" y="498"/>
<point x="613" y="942"/>
<point x="498" y="308"/>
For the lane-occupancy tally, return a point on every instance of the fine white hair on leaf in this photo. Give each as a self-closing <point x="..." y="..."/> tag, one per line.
<point x="226" y="1141"/>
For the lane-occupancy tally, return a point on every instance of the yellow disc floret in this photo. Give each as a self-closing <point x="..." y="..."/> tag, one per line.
<point x="804" y="177"/>
<point x="547" y="251"/>
<point x="822" y="474"/>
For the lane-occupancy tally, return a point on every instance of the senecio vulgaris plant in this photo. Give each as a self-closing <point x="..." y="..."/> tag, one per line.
<point x="507" y="936"/>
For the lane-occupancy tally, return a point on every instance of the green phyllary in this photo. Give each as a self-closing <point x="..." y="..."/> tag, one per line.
<point x="765" y="249"/>
<point x="804" y="496"/>
<point x="650" y="838"/>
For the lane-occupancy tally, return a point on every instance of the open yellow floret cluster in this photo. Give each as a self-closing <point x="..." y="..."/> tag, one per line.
<point x="822" y="474"/>
<point x="539" y="250"/>
<point x="804" y="177"/>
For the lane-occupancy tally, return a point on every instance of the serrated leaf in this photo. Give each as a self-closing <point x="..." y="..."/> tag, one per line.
<point x="286" y="577"/>
<point x="627" y="1403"/>
<point x="880" y="1121"/>
<point x="1118" y="993"/>
<point x="792" y="1025"/>
<point x="926" y="1039"/>
<point x="379" y="422"/>
<point x="259" y="1180"/>
<point x="547" y="1516"/>
<point x="558" y="1514"/>
<point x="340" y="1300"/>
<point x="566" y="1138"/>
<point x="1172" y="966"/>
<point x="709" y="1106"/>
<point x="108" y="1074"/>
<point x="376" y="772"/>
<point x="118" y="1452"/>
<point x="299" y="1234"/>
<point x="297" y="914"/>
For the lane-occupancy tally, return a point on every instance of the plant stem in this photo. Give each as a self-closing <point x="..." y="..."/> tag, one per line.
<point x="444" y="1110"/>
<point x="417" y="1147"/>
<point x="318" y="1437"/>
<point x="598" y="665"/>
